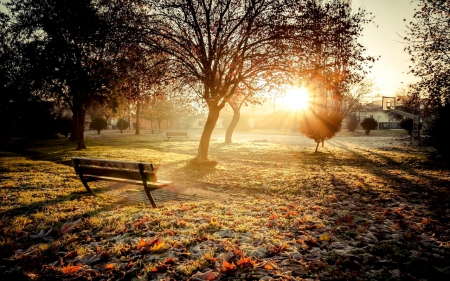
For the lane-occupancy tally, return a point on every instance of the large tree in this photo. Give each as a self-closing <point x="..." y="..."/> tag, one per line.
<point x="63" y="42"/>
<point x="216" y="45"/>
<point x="336" y="65"/>
<point x="428" y="43"/>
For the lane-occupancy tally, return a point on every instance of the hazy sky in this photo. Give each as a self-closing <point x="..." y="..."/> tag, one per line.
<point x="384" y="38"/>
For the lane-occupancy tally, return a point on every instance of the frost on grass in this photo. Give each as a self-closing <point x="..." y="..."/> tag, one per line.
<point x="344" y="214"/>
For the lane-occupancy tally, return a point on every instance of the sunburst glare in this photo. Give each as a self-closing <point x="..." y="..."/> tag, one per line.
<point x="296" y="98"/>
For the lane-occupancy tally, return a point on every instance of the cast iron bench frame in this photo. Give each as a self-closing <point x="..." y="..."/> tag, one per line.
<point x="176" y="135"/>
<point x="137" y="173"/>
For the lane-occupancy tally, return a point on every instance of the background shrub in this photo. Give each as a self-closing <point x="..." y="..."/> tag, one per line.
<point x="99" y="124"/>
<point x="122" y="124"/>
<point x="369" y="124"/>
<point x="352" y="122"/>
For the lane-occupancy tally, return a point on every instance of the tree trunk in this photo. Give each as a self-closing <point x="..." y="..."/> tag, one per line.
<point x="159" y="123"/>
<point x="74" y="129"/>
<point x="203" y="147"/>
<point x="317" y="146"/>
<point x="233" y="123"/>
<point x="79" y="116"/>
<point x="137" y="118"/>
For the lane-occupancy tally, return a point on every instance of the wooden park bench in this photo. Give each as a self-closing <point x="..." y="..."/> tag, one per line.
<point x="176" y="135"/>
<point x="138" y="173"/>
<point x="157" y="131"/>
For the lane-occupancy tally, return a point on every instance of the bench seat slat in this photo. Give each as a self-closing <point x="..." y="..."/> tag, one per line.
<point x="154" y="184"/>
<point x="123" y="174"/>
<point x="114" y="164"/>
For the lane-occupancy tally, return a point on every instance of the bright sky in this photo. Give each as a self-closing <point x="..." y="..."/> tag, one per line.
<point x="384" y="38"/>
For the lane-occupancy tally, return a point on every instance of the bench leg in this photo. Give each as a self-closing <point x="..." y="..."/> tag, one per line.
<point x="84" y="182"/>
<point x="144" y="182"/>
<point x="150" y="197"/>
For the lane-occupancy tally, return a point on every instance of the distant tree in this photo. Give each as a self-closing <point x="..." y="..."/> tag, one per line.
<point x="352" y="98"/>
<point x="122" y="124"/>
<point x="159" y="110"/>
<point x="352" y="122"/>
<point x="98" y="124"/>
<point x="369" y="124"/>
<point x="407" y="100"/>
<point x="320" y="126"/>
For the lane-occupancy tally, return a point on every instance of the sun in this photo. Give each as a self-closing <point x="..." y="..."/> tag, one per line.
<point x="296" y="98"/>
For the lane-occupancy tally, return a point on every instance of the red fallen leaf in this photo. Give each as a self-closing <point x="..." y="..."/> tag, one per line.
<point x="70" y="269"/>
<point x="71" y="255"/>
<point x="227" y="267"/>
<point x="141" y="244"/>
<point x="169" y="260"/>
<point x="207" y="276"/>
<point x="170" y="232"/>
<point x="246" y="262"/>
<point x="160" y="268"/>
<point x="64" y="228"/>
<point x="290" y="214"/>
<point x="426" y="221"/>
<point x="129" y="265"/>
<point x="348" y="218"/>
<point x="109" y="266"/>
<point x="238" y="252"/>
<point x="209" y="258"/>
<point x="272" y="249"/>
<point x="153" y="241"/>
<point x="185" y="208"/>
<point x="139" y="223"/>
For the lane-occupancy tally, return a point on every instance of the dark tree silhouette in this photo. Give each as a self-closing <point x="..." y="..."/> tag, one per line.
<point x="369" y="124"/>
<point x="64" y="42"/>
<point x="98" y="124"/>
<point x="428" y="43"/>
<point x="122" y="124"/>
<point x="320" y="126"/>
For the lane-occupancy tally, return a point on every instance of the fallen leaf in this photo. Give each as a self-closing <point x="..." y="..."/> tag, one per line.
<point x="70" y="269"/>
<point x="324" y="237"/>
<point x="109" y="266"/>
<point x="227" y="267"/>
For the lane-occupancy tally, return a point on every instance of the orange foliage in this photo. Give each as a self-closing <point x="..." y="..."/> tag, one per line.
<point x="227" y="267"/>
<point x="70" y="269"/>
<point x="246" y="262"/>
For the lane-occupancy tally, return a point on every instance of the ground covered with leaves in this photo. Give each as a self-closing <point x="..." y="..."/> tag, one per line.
<point x="346" y="213"/>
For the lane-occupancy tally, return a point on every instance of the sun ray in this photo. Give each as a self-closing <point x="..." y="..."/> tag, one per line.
<point x="296" y="98"/>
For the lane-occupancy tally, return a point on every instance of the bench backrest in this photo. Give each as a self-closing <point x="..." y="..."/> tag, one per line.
<point x="115" y="169"/>
<point x="176" y="133"/>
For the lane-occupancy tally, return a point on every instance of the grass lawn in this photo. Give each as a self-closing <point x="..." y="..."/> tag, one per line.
<point x="345" y="213"/>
